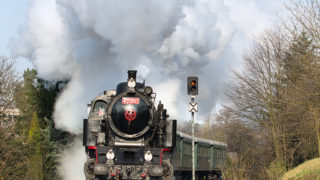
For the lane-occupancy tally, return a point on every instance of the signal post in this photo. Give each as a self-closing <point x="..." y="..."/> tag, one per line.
<point x="192" y="87"/>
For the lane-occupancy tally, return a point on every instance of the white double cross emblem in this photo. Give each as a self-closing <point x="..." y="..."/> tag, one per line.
<point x="193" y="107"/>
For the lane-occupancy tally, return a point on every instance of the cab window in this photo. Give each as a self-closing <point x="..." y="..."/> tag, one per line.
<point x="99" y="108"/>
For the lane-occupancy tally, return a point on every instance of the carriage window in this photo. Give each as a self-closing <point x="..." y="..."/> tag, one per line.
<point x="187" y="149"/>
<point x="100" y="108"/>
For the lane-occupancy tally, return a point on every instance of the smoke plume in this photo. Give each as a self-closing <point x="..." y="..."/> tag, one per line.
<point x="94" y="43"/>
<point x="71" y="163"/>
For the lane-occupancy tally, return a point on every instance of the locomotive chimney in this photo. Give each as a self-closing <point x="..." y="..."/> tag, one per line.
<point x="132" y="74"/>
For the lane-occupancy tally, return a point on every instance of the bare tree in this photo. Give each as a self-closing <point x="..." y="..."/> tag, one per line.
<point x="277" y="94"/>
<point x="304" y="17"/>
<point x="256" y="88"/>
<point x="9" y="80"/>
<point x="304" y="20"/>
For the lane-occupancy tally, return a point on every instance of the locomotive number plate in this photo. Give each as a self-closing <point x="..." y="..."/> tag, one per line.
<point x="130" y="100"/>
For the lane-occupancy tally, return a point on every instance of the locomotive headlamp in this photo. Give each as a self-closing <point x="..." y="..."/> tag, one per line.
<point x="148" y="156"/>
<point x="131" y="83"/>
<point x="110" y="155"/>
<point x="148" y="90"/>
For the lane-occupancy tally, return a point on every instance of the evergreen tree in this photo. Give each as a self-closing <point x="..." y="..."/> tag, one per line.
<point x="34" y="132"/>
<point x="35" y="98"/>
<point x="35" y="160"/>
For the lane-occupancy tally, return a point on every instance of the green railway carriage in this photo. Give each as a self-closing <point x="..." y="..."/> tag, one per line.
<point x="210" y="157"/>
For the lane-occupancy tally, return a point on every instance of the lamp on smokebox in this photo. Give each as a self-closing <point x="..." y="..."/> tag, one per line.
<point x="131" y="83"/>
<point x="131" y="78"/>
<point x="192" y="86"/>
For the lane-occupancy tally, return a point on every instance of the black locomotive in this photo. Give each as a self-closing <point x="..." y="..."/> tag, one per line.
<point x="126" y="136"/>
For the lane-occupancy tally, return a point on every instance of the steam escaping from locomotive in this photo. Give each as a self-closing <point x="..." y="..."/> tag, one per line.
<point x="91" y="42"/>
<point x="71" y="162"/>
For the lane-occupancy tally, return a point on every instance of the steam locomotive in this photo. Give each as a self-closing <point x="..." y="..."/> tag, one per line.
<point x="127" y="137"/>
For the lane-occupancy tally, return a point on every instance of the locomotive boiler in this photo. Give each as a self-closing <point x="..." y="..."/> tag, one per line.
<point x="127" y="136"/>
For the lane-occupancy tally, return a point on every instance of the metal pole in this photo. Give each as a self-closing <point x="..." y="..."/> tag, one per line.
<point x="192" y="123"/>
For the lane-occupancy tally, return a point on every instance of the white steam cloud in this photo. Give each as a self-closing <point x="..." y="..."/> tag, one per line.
<point x="71" y="163"/>
<point x="94" y="43"/>
<point x="167" y="93"/>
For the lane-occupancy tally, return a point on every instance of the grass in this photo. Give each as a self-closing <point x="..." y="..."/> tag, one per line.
<point x="307" y="170"/>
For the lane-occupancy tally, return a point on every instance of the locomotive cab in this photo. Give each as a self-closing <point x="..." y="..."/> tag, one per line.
<point x="126" y="136"/>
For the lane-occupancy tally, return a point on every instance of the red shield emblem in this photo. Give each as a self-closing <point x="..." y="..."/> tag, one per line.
<point x="130" y="114"/>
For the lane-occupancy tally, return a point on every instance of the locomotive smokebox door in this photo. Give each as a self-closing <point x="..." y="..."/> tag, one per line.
<point x="192" y="86"/>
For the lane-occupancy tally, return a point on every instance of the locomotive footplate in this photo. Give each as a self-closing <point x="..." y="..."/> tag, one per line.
<point x="129" y="163"/>
<point x="127" y="171"/>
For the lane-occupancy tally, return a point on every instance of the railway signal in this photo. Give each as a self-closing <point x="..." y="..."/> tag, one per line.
<point x="192" y="88"/>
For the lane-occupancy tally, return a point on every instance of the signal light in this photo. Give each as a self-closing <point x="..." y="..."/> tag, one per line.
<point x="192" y="86"/>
